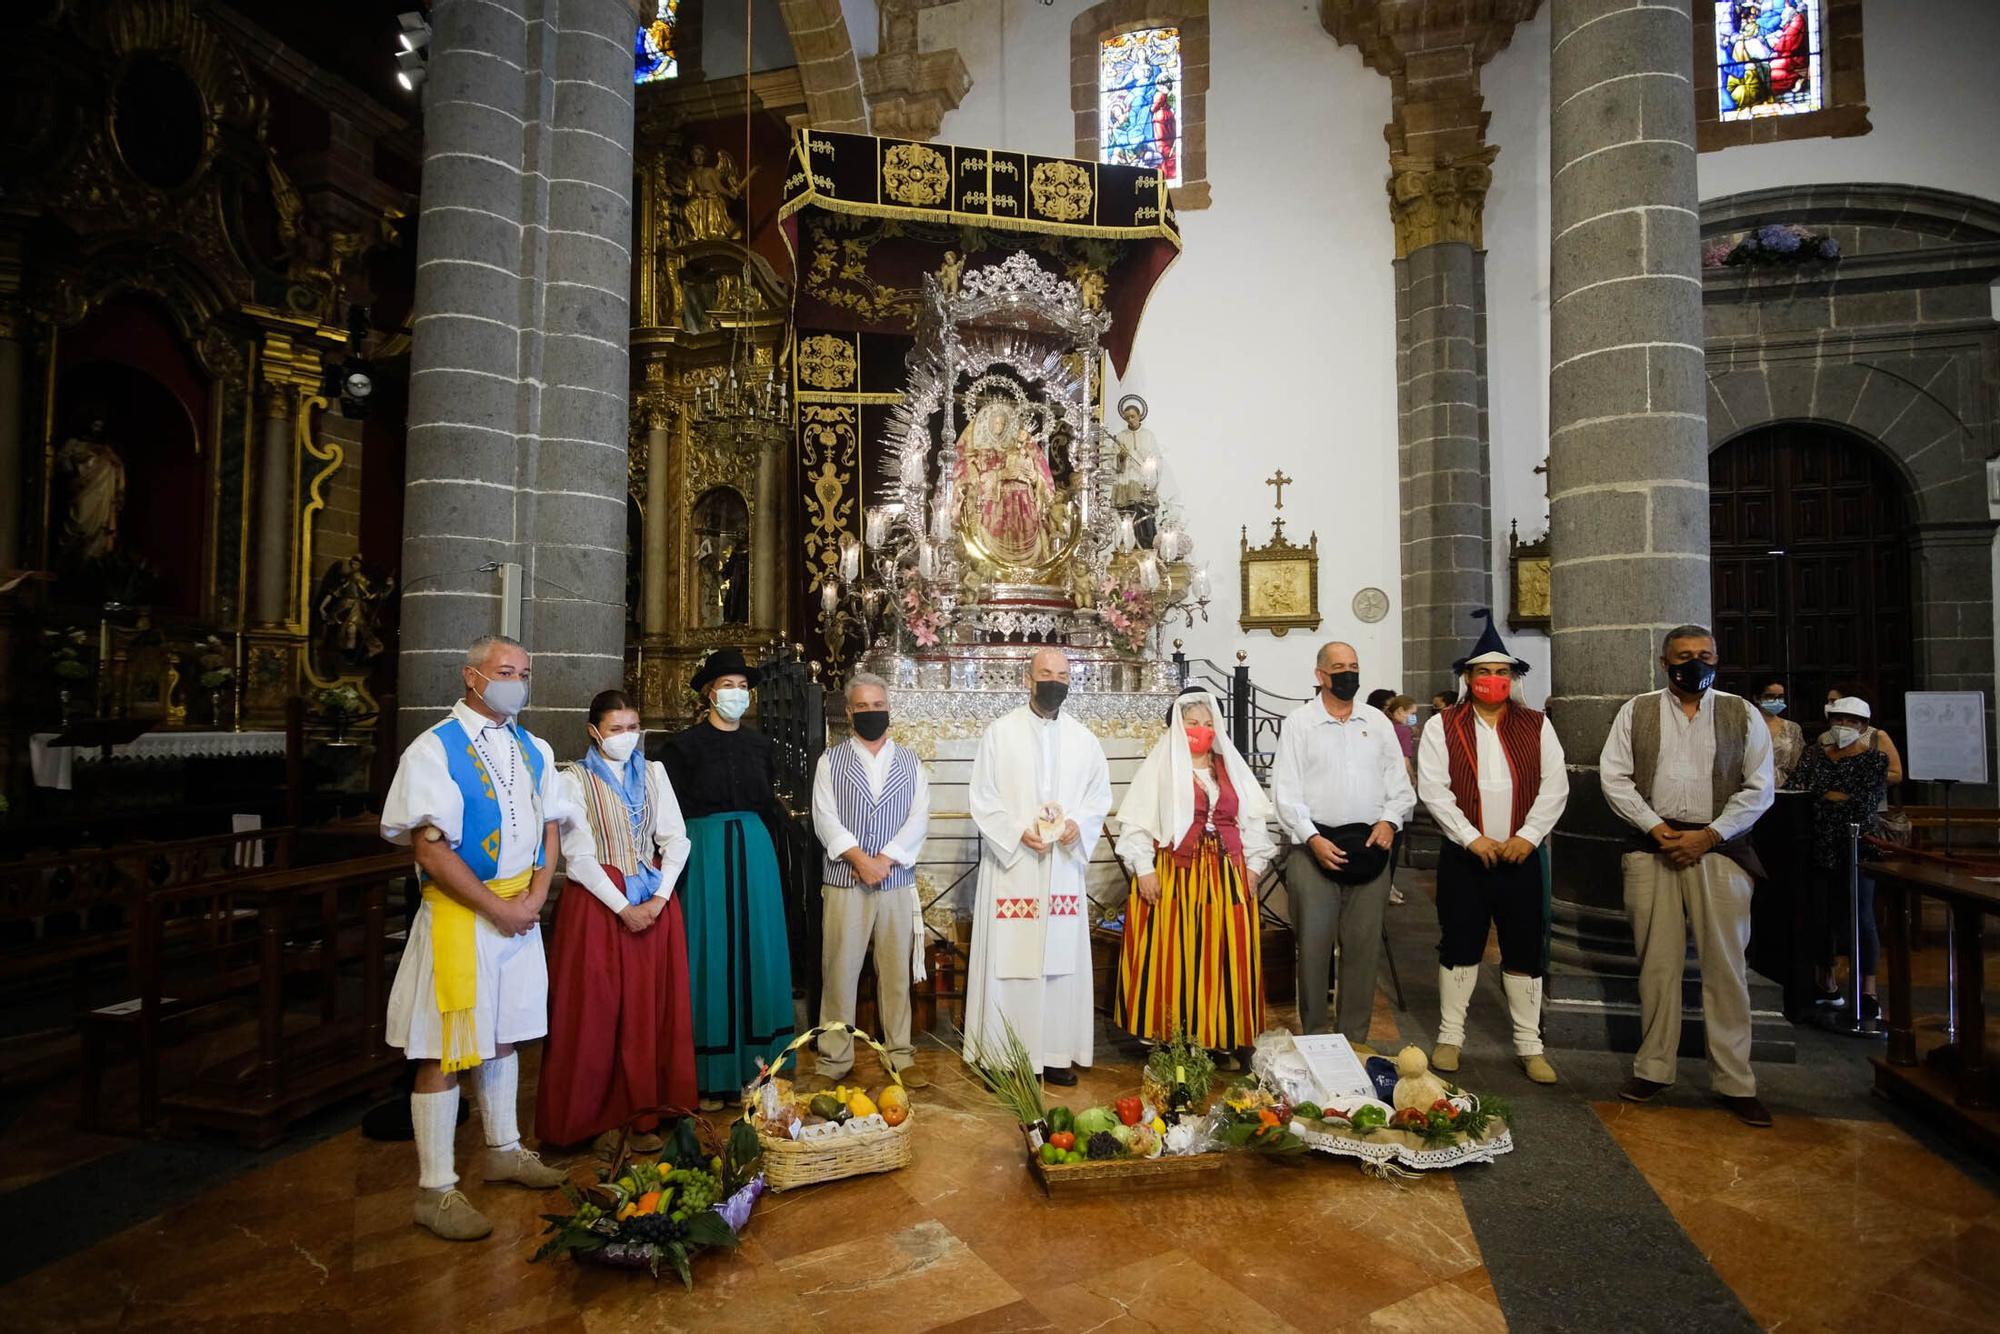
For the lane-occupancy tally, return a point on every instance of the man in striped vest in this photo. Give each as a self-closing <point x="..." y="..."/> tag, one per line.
<point x="1491" y="772"/>
<point x="871" y="809"/>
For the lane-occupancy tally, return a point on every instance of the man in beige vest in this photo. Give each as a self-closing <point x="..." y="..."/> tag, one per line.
<point x="1689" y="768"/>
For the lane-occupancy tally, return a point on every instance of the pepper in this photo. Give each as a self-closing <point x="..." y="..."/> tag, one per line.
<point x="1129" y="1109"/>
<point x="1063" y="1140"/>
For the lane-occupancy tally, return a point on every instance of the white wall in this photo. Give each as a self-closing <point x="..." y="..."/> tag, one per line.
<point x="1270" y="343"/>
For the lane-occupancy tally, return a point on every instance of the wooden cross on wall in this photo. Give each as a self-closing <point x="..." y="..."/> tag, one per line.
<point x="1279" y="482"/>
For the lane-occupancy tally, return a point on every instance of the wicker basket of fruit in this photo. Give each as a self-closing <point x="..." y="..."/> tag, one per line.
<point x="813" y="1137"/>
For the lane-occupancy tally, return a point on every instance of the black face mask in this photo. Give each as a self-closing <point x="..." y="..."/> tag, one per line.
<point x="1049" y="695"/>
<point x="1344" y="685"/>
<point x="1692" y="677"/>
<point x="871" y="724"/>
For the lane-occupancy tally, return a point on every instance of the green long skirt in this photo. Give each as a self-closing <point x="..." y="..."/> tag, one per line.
<point x="739" y="966"/>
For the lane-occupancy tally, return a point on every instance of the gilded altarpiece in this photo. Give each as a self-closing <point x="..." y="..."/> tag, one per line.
<point x="714" y="520"/>
<point x="176" y="301"/>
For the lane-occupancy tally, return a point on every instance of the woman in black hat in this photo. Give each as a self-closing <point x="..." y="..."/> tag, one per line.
<point x="739" y="966"/>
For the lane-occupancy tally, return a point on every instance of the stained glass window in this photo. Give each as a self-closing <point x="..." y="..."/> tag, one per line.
<point x="654" y="45"/>
<point x="1767" y="58"/>
<point x="1139" y="100"/>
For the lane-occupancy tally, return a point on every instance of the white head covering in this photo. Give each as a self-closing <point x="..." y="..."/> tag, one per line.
<point x="1160" y="799"/>
<point x="1853" y="706"/>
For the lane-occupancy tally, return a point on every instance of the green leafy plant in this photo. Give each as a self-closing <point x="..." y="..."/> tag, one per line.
<point x="1183" y="1069"/>
<point x="1012" y="1077"/>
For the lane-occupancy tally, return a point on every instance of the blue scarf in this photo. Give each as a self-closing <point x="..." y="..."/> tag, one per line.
<point x="630" y="785"/>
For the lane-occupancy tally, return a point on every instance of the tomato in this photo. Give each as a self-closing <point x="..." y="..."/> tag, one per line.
<point x="1063" y="1140"/>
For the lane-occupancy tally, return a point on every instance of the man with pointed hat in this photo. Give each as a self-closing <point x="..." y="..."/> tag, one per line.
<point x="1490" y="770"/>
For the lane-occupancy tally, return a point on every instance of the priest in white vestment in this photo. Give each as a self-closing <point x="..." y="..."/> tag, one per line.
<point x="1040" y="791"/>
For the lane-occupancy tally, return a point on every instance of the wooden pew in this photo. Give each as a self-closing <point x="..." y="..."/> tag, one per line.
<point x="314" y="927"/>
<point x="74" y="911"/>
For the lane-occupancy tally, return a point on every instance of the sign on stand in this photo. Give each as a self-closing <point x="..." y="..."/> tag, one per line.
<point x="1947" y="736"/>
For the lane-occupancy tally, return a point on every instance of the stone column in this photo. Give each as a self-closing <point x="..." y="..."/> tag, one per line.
<point x="1445" y="486"/>
<point x="1628" y="445"/>
<point x="1440" y="166"/>
<point x="273" y="553"/>
<point x="517" y="421"/>
<point x="653" y="568"/>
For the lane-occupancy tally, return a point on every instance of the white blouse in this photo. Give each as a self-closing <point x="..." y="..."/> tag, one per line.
<point x="580" y="859"/>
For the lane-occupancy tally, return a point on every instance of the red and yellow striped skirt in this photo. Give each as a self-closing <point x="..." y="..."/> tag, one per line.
<point x="1191" y="961"/>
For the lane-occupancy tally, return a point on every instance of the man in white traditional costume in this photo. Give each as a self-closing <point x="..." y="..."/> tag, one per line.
<point x="1041" y="789"/>
<point x="871" y="807"/>
<point x="478" y="800"/>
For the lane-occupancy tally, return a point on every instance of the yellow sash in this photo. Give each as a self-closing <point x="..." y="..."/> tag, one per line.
<point x="455" y="966"/>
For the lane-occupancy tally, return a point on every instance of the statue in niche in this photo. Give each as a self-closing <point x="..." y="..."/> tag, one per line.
<point x="1135" y="490"/>
<point x="711" y="188"/>
<point x="722" y="558"/>
<point x="1007" y="509"/>
<point x="349" y="610"/>
<point x="95" y="474"/>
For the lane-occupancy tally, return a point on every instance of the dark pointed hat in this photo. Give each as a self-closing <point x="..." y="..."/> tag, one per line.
<point x="1489" y="648"/>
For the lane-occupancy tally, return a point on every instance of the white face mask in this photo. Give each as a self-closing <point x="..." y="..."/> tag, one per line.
<point x="1843" y="737"/>
<point x="732" y="702"/>
<point x="618" y="747"/>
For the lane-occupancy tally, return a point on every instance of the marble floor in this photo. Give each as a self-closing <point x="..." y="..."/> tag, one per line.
<point x="1845" y="1216"/>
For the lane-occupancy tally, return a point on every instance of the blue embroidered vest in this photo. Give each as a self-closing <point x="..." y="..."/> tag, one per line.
<point x="479" y="827"/>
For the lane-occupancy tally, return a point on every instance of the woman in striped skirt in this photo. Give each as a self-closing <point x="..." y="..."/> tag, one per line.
<point x="1193" y="830"/>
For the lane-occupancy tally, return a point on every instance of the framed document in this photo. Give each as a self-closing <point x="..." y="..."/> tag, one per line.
<point x="1528" y="583"/>
<point x="1280" y="583"/>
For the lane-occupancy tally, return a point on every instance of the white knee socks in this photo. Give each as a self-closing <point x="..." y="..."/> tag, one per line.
<point x="499" y="1082"/>
<point x="1454" y="996"/>
<point x="434" y="1118"/>
<point x="1524" y="1006"/>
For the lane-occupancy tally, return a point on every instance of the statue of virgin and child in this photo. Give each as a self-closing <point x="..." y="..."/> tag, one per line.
<point x="1010" y="511"/>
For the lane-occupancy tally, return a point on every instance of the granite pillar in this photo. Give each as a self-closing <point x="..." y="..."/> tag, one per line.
<point x="518" y="417"/>
<point x="1628" y="449"/>
<point x="1444" y="488"/>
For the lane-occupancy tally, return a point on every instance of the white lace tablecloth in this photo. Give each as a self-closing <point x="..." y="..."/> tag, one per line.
<point x="52" y="764"/>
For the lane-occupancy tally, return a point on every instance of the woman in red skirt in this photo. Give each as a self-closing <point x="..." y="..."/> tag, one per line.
<point x="1193" y="832"/>
<point x="621" y="1030"/>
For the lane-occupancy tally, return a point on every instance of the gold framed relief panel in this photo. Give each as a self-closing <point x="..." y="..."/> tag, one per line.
<point x="1528" y="605"/>
<point x="1280" y="581"/>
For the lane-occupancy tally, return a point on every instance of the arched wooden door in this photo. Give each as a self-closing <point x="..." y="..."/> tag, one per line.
<point x="1810" y="568"/>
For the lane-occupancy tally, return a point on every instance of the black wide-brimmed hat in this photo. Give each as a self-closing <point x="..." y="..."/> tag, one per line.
<point x="724" y="662"/>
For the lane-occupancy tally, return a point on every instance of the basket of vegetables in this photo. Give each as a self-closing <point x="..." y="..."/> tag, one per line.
<point x="808" y="1138"/>
<point x="1127" y="1143"/>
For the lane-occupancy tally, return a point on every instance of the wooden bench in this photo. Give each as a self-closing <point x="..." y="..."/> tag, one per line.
<point x="313" y="925"/>
<point x="73" y="911"/>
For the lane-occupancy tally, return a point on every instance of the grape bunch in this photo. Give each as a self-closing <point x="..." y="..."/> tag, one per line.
<point x="655" y="1228"/>
<point x="693" y="1190"/>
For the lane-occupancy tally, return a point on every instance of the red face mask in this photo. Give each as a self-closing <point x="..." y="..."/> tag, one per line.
<point x="1491" y="689"/>
<point x="1200" y="738"/>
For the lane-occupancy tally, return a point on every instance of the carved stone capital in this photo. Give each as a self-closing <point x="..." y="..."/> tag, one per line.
<point x="1433" y="200"/>
<point x="909" y="92"/>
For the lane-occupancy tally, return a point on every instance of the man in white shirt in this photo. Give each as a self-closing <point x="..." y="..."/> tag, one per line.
<point x="1342" y="791"/>
<point x="1689" y="768"/>
<point x="1040" y="791"/>
<point x="871" y="808"/>
<point x="1490" y="770"/>
<point x="478" y="801"/>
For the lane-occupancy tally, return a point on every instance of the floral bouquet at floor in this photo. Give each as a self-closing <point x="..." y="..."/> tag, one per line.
<point x="645" y="1211"/>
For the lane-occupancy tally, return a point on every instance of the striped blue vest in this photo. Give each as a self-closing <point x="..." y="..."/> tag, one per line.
<point x="872" y="821"/>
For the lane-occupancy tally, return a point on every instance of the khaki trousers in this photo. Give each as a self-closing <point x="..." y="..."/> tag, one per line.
<point x="1711" y="899"/>
<point x="856" y="917"/>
